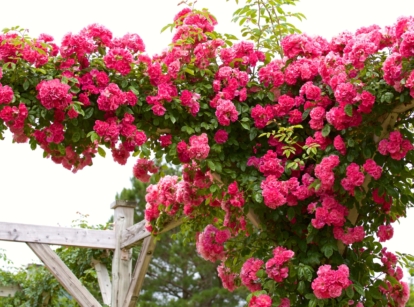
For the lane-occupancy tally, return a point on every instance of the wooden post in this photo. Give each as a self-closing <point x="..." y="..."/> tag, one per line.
<point x="147" y="250"/>
<point x="122" y="261"/>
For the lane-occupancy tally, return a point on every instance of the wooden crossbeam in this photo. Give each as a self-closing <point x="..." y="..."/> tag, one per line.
<point x="172" y="225"/>
<point x="147" y="250"/>
<point x="63" y="274"/>
<point x="6" y="291"/>
<point x="57" y="235"/>
<point x="132" y="236"/>
<point x="103" y="280"/>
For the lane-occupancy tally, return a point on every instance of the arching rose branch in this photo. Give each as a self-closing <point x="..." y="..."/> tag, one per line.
<point x="327" y="181"/>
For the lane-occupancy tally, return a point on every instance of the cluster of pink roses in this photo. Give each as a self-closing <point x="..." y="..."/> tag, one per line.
<point x="331" y="213"/>
<point x="276" y="267"/>
<point x="395" y="146"/>
<point x="398" y="292"/>
<point x="142" y="168"/>
<point x="197" y="150"/>
<point x="170" y="195"/>
<point x="330" y="283"/>
<point x="248" y="274"/>
<point x="227" y="277"/>
<point x="112" y="129"/>
<point x="210" y="243"/>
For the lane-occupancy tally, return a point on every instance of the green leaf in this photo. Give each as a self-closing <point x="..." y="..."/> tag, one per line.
<point x="291" y="213"/>
<point x="258" y="197"/>
<point x="358" y="288"/>
<point x="101" y="152"/>
<point x="26" y="84"/>
<point x="312" y="303"/>
<point x="305" y="114"/>
<point x="94" y="136"/>
<point x="252" y="134"/>
<point x="78" y="108"/>
<point x="310" y="296"/>
<point x="326" y="130"/>
<point x="271" y="96"/>
<point x="301" y="287"/>
<point x="88" y="113"/>
<point x="211" y="165"/>
<point x="348" y="110"/>
<point x="170" y="25"/>
<point x="219" y="167"/>
<point x="189" y="71"/>
<point x="76" y="137"/>
<point x="261" y="274"/>
<point x="349" y="292"/>
<point x="134" y="90"/>
<point x="245" y="126"/>
<point x="327" y="251"/>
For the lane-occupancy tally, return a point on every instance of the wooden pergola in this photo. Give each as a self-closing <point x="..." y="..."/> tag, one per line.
<point x="124" y="287"/>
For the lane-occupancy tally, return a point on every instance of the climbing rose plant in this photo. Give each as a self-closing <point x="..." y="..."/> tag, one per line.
<point x="293" y="170"/>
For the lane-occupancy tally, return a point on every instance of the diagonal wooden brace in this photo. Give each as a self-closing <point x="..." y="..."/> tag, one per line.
<point x="103" y="280"/>
<point x="63" y="274"/>
<point x="140" y="270"/>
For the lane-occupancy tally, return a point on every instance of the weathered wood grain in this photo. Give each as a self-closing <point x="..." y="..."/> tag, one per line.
<point x="57" y="235"/>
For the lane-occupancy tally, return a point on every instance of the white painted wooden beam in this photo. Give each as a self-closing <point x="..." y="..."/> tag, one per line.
<point x="147" y="250"/>
<point x="57" y="235"/>
<point x="103" y="280"/>
<point x="64" y="275"/>
<point x="6" y="291"/>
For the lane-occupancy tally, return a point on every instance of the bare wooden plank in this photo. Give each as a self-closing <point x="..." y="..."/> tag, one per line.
<point x="62" y="273"/>
<point x="253" y="218"/>
<point x="122" y="260"/>
<point x="132" y="235"/>
<point x="103" y="280"/>
<point x="57" y="235"/>
<point x="172" y="225"/>
<point x="140" y="270"/>
<point x="6" y="291"/>
<point x="137" y="232"/>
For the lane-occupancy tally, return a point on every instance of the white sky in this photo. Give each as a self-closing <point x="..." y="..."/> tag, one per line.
<point x="36" y="191"/>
